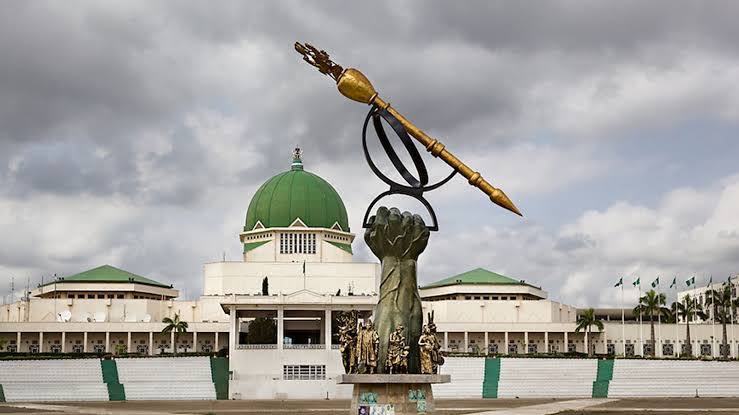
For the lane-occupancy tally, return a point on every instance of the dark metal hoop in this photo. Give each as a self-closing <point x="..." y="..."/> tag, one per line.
<point x="416" y="186"/>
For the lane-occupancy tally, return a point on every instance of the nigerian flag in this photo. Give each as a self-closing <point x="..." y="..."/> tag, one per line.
<point x="690" y="281"/>
<point x="620" y="282"/>
<point x="637" y="282"/>
<point x="655" y="283"/>
<point x="674" y="282"/>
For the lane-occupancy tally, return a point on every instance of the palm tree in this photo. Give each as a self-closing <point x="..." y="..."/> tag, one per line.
<point x="585" y="321"/>
<point x="174" y="325"/>
<point x="688" y="310"/>
<point x="723" y="306"/>
<point x="651" y="304"/>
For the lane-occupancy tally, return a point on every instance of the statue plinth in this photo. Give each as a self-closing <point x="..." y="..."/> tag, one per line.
<point x="404" y="393"/>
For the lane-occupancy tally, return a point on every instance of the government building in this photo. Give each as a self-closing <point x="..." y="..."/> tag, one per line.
<point x="274" y="312"/>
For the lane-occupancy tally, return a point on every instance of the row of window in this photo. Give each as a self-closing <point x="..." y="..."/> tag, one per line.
<point x="489" y="297"/>
<point x="118" y="296"/>
<point x="304" y="372"/>
<point x="297" y="243"/>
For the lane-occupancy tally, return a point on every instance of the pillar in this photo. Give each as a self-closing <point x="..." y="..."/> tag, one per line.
<point x="466" y="340"/>
<point x="280" y="327"/>
<point x="64" y="341"/>
<point x="586" y="340"/>
<point x="487" y="341"/>
<point x="195" y="341"/>
<point x="128" y="342"/>
<point x="84" y="342"/>
<point x="546" y="342"/>
<point x="327" y="329"/>
<point x="107" y="342"/>
<point x="446" y="340"/>
<point x="505" y="346"/>
<point x="171" y="342"/>
<point x="18" y="341"/>
<point x="41" y="342"/>
<point x="526" y="342"/>
<point x="566" y="343"/>
<point x="151" y="343"/>
<point x="216" y="335"/>
<point x="232" y="329"/>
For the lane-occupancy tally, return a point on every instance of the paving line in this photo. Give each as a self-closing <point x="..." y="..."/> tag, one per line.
<point x="70" y="409"/>
<point x="548" y="408"/>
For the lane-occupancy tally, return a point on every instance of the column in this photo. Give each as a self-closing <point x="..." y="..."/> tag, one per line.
<point x="195" y="341"/>
<point x="446" y="340"/>
<point x="327" y="329"/>
<point x="41" y="342"/>
<point x="566" y="343"/>
<point x="466" y="340"/>
<point x="128" y="342"/>
<point x="107" y="342"/>
<point x="526" y="342"/>
<point x="505" y="346"/>
<point x="487" y="342"/>
<point x="216" y="335"/>
<point x="586" y="343"/>
<point x="151" y="343"/>
<point x="280" y="327"/>
<point x="84" y="342"/>
<point x="18" y="342"/>
<point x="64" y="341"/>
<point x="232" y="329"/>
<point x="546" y="342"/>
<point x="171" y="342"/>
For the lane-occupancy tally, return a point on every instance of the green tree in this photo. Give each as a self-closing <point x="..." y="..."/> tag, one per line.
<point x="262" y="330"/>
<point x="651" y="304"/>
<point x="3" y="343"/>
<point x="688" y="310"/>
<point x="174" y="325"/>
<point x="585" y="321"/>
<point x="723" y="306"/>
<point x="120" y="349"/>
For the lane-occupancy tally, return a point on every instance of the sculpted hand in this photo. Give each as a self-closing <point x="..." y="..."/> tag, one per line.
<point x="391" y="233"/>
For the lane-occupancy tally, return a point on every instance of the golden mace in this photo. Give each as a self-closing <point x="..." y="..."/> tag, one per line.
<point x="354" y="85"/>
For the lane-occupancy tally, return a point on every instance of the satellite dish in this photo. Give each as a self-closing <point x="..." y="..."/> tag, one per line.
<point x="59" y="317"/>
<point x="147" y="318"/>
<point x="99" y="317"/>
<point x="66" y="315"/>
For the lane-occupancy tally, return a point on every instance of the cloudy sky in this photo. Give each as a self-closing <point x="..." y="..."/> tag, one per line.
<point x="135" y="133"/>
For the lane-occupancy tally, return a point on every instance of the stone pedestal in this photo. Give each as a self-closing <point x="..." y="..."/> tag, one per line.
<point x="392" y="394"/>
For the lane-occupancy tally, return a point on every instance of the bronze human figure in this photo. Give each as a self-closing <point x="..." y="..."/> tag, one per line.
<point x="368" y="342"/>
<point x="348" y="340"/>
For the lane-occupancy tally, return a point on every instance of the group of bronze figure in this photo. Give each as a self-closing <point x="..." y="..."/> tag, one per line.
<point x="359" y="345"/>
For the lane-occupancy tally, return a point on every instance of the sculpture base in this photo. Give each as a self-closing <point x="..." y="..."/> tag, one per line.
<point x="392" y="394"/>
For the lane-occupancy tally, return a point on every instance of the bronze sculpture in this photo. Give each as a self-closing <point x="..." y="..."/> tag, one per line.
<point x="368" y="342"/>
<point x="398" y="351"/>
<point x="347" y="340"/>
<point x="430" y="349"/>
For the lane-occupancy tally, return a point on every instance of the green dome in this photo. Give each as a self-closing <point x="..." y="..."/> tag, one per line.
<point x="295" y="194"/>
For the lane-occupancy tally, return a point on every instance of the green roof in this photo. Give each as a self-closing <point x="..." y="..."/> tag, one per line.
<point x="295" y="194"/>
<point x="476" y="276"/>
<point x="109" y="274"/>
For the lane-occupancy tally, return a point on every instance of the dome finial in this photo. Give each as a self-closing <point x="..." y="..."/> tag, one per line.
<point x="297" y="161"/>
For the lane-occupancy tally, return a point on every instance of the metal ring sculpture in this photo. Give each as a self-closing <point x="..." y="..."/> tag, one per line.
<point x="416" y="186"/>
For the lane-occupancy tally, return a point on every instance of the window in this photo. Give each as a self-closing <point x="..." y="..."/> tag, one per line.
<point x="467" y="297"/>
<point x="297" y="243"/>
<point x="119" y="296"/>
<point x="304" y="372"/>
<point x="477" y="297"/>
<point x="101" y="295"/>
<point x="485" y="297"/>
<point x="90" y="295"/>
<point x="495" y="297"/>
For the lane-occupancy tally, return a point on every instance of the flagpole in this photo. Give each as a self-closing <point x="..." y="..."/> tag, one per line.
<point x="659" y="322"/>
<point x="641" y="337"/>
<point x="731" y="313"/>
<point x="713" y="319"/>
<point x="677" y="324"/>
<point x="623" y="320"/>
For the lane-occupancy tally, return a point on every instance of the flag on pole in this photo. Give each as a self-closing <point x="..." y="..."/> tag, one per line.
<point x="710" y="281"/>
<point x="637" y="282"/>
<point x="655" y="283"/>
<point x="674" y="282"/>
<point x="620" y="282"/>
<point x="690" y="281"/>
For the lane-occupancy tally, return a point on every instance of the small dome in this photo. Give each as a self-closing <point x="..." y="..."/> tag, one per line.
<point x="295" y="194"/>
